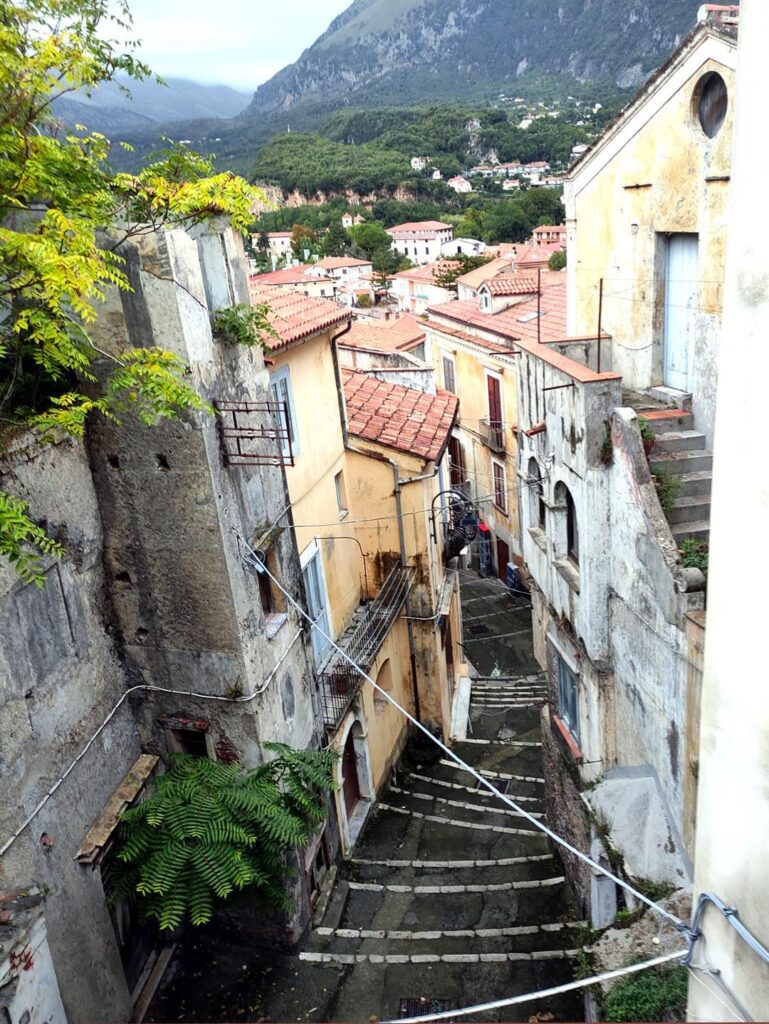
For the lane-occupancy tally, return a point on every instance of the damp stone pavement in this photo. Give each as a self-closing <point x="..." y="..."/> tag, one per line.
<point x="451" y="899"/>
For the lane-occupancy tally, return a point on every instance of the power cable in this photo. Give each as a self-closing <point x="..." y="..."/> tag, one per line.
<point x="572" y="986"/>
<point x="257" y="563"/>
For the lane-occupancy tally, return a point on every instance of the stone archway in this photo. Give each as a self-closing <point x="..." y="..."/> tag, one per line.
<point x="356" y="789"/>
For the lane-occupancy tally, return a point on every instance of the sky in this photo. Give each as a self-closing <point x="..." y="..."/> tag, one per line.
<point x="240" y="43"/>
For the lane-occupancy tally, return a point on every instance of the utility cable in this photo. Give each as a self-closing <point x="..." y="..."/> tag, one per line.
<point x="572" y="986"/>
<point x="257" y="563"/>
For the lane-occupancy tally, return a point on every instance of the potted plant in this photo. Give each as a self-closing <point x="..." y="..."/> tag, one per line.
<point x="648" y="437"/>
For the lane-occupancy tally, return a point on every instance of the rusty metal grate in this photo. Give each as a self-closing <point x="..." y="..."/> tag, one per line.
<point x="424" y="1005"/>
<point x="256" y="433"/>
<point x="501" y="785"/>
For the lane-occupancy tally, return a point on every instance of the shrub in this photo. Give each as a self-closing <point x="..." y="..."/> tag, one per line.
<point x="653" y="995"/>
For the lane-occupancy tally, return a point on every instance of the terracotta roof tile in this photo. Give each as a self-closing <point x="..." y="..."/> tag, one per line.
<point x="430" y="226"/>
<point x="397" y="335"/>
<point x="426" y="273"/>
<point x="403" y="418"/>
<point x="296" y="317"/>
<point x="512" y="284"/>
<point x="338" y="262"/>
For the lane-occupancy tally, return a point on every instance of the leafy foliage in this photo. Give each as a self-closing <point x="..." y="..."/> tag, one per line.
<point x="651" y="995"/>
<point x="210" y="830"/>
<point x="695" y="554"/>
<point x="17" y="534"/>
<point x="668" y="489"/>
<point x="446" y="273"/>
<point x="243" y="325"/>
<point x="59" y="204"/>
<point x="558" y="260"/>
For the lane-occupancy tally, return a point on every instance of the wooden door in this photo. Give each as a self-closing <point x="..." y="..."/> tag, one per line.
<point x="681" y="289"/>
<point x="503" y="557"/>
<point x="350" y="783"/>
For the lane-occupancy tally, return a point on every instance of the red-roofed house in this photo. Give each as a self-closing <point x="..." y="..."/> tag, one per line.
<point x="296" y="279"/>
<point x="397" y="340"/>
<point x="417" y="289"/>
<point x="550" y="233"/>
<point x="357" y="443"/>
<point x="421" y="241"/>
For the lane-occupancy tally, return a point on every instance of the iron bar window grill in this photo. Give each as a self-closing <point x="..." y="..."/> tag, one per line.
<point x="340" y="682"/>
<point x="255" y="433"/>
<point x="493" y="434"/>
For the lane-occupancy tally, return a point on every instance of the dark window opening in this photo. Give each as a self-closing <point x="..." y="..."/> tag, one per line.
<point x="572" y="530"/>
<point x="711" y="98"/>
<point x="190" y="741"/>
<point x="265" y="593"/>
<point x="539" y="509"/>
<point x="113" y="462"/>
<point x="162" y="463"/>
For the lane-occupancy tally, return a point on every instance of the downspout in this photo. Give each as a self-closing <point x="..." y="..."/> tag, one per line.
<point x="409" y="622"/>
<point x="338" y="379"/>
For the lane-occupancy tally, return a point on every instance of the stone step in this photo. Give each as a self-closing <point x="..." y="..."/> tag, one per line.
<point x="421" y="959"/>
<point x="660" y="421"/>
<point x="488" y="774"/>
<point x="680" y="441"/>
<point x="492" y="812"/>
<point x="697" y="530"/>
<point x="468" y="790"/>
<point x="523" y="783"/>
<point x="495" y="872"/>
<point x="678" y="463"/>
<point x="670" y="397"/>
<point x="696" y="483"/>
<point x="690" y="509"/>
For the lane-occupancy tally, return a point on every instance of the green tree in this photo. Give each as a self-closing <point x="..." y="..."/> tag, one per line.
<point x="447" y="273"/>
<point x="558" y="260"/>
<point x="210" y="830"/>
<point x="59" y="206"/>
<point x="302" y="240"/>
<point x="336" y="241"/>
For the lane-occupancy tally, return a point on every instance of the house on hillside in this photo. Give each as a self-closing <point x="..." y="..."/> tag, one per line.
<point x="280" y="245"/>
<point x="303" y="278"/>
<point x="420" y="241"/>
<point x="475" y="347"/>
<point x="364" y="449"/>
<point x="619" y="617"/>
<point x="460" y="185"/>
<point x="352" y="278"/>
<point x="414" y="290"/>
<point x="550" y="234"/>
<point x="350" y="221"/>
<point x="463" y="247"/>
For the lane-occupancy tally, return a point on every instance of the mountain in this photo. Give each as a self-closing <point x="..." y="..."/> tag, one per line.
<point x="414" y="51"/>
<point x="110" y="110"/>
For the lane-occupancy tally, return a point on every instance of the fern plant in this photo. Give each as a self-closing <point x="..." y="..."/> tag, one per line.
<point x="210" y="830"/>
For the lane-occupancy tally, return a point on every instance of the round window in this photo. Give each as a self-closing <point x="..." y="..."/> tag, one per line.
<point x="711" y="100"/>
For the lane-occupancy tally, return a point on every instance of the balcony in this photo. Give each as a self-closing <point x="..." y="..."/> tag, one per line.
<point x="339" y="682"/>
<point x="493" y="434"/>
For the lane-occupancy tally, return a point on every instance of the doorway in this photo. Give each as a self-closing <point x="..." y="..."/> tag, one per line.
<point x="350" y="782"/>
<point x="503" y="557"/>
<point x="681" y="289"/>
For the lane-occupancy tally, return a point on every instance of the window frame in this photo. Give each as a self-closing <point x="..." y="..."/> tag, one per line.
<point x="537" y="502"/>
<point x="568" y="696"/>
<point x="500" y="493"/>
<point x="283" y="376"/>
<point x="342" y="504"/>
<point x="572" y="529"/>
<point x="447" y="359"/>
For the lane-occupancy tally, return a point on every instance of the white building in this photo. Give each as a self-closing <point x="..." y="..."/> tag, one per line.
<point x="280" y="244"/>
<point x="420" y="163"/>
<point x="416" y="290"/>
<point x="460" y="184"/>
<point x="463" y="247"/>
<point x="421" y="241"/>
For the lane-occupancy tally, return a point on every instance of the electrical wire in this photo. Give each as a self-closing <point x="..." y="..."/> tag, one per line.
<point x="257" y="563"/>
<point x="572" y="986"/>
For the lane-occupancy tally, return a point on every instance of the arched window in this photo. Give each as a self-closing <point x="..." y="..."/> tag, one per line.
<point x="537" y="507"/>
<point x="384" y="680"/>
<point x="564" y="499"/>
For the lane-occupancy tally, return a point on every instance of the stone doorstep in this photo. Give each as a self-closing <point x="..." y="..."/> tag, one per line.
<point x="680" y="441"/>
<point x="671" y="397"/>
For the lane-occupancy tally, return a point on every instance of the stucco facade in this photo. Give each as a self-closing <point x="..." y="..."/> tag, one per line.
<point x="656" y="175"/>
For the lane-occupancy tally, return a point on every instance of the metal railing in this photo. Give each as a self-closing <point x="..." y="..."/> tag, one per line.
<point x="493" y="434"/>
<point x="256" y="433"/>
<point x="339" y="682"/>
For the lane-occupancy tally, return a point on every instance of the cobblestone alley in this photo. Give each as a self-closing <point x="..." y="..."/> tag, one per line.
<point x="451" y="898"/>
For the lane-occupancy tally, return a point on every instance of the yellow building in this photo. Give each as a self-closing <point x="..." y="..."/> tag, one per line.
<point x="373" y="575"/>
<point x="474" y="354"/>
<point x="646" y="210"/>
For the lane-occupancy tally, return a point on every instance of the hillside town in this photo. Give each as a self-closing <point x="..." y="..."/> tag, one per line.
<point x="377" y="634"/>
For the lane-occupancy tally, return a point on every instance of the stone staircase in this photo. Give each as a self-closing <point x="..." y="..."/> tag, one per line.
<point x="680" y="451"/>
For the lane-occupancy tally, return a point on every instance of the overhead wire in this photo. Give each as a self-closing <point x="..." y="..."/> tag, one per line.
<point x="540" y="826"/>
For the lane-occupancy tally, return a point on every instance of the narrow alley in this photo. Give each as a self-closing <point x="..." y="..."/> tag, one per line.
<point x="451" y="899"/>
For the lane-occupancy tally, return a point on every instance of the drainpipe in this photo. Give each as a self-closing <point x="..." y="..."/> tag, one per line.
<point x="409" y="623"/>
<point x="338" y="379"/>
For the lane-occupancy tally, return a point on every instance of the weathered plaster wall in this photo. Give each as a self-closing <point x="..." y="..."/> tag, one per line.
<point x="656" y="173"/>
<point x="60" y="676"/>
<point x="29" y="988"/>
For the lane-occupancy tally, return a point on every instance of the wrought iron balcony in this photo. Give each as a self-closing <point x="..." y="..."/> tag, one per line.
<point x="493" y="434"/>
<point x="339" y="682"/>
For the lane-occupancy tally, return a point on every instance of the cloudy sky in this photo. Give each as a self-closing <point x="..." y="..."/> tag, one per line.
<point x="236" y="42"/>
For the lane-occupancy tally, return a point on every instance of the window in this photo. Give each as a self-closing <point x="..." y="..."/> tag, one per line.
<point x="186" y="735"/>
<point x="341" y="494"/>
<point x="572" y="530"/>
<point x="711" y="101"/>
<point x="500" y="487"/>
<point x="496" y="426"/>
<point x="485" y="301"/>
<point x="449" y="374"/>
<point x="280" y="385"/>
<point x="538" y="509"/>
<point x="315" y="588"/>
<point x="568" y="706"/>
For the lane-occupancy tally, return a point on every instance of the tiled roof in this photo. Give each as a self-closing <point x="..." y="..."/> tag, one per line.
<point x="520" y="321"/>
<point x="420" y="225"/>
<point x="512" y="284"/>
<point x="289" y="275"/>
<point x="398" y="417"/>
<point x="425" y="274"/>
<point x="296" y="317"/>
<point x="279" y="234"/>
<point x="338" y="262"/>
<point x="475" y="278"/>
<point x="401" y="334"/>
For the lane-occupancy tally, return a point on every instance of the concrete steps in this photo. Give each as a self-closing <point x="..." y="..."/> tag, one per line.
<point x="694" y="531"/>
<point x="690" y="509"/>
<point x="681" y="453"/>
